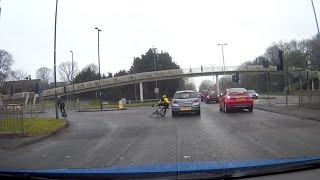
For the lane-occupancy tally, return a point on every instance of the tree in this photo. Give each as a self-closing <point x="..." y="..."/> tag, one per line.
<point x="65" y="70"/>
<point x="44" y="74"/>
<point x="121" y="73"/>
<point x="88" y="73"/>
<point x="18" y="75"/>
<point x="6" y="62"/>
<point x="206" y="85"/>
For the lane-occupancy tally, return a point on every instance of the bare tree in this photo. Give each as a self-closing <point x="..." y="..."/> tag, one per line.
<point x="65" y="70"/>
<point x="18" y="75"/>
<point x="44" y="74"/>
<point x="6" y="62"/>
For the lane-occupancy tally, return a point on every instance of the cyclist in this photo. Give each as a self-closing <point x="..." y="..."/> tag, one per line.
<point x="61" y="106"/>
<point x="164" y="101"/>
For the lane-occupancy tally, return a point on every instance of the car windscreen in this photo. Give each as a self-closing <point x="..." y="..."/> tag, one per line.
<point x="251" y="91"/>
<point x="184" y="95"/>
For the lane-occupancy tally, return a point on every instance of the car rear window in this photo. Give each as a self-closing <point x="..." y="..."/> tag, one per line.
<point x="238" y="91"/>
<point x="251" y="91"/>
<point x="184" y="95"/>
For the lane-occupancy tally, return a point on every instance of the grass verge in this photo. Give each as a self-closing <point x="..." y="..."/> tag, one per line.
<point x="31" y="126"/>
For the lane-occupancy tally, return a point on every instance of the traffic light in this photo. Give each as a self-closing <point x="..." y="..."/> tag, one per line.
<point x="37" y="88"/>
<point x="281" y="63"/>
<point x="237" y="77"/>
<point x="267" y="76"/>
<point x="266" y="63"/>
<point x="65" y="89"/>
<point x="11" y="91"/>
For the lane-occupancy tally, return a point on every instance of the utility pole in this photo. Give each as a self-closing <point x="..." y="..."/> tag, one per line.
<point x="72" y="79"/>
<point x="54" y="59"/>
<point x="155" y="69"/>
<point x="224" y="66"/>
<point x="315" y="16"/>
<point x="99" y="67"/>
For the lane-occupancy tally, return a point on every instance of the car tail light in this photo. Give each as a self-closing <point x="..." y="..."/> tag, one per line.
<point x="196" y="100"/>
<point x="207" y="96"/>
<point x="228" y="97"/>
<point x="174" y="101"/>
<point x="250" y="95"/>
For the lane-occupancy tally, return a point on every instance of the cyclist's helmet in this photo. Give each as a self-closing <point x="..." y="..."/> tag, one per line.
<point x="164" y="96"/>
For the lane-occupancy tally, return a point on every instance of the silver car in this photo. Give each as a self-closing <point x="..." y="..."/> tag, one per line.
<point x="185" y="102"/>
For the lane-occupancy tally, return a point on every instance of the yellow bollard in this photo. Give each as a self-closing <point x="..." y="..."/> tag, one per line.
<point x="120" y="104"/>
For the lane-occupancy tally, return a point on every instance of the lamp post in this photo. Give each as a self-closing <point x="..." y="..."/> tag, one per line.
<point x="315" y="16"/>
<point x="135" y="81"/>
<point x="72" y="79"/>
<point x="54" y="60"/>
<point x="224" y="66"/>
<point x="99" y="68"/>
<point x="213" y="75"/>
<point x="155" y="68"/>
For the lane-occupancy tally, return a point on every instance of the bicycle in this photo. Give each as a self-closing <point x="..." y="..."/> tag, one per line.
<point x="159" y="112"/>
<point x="64" y="114"/>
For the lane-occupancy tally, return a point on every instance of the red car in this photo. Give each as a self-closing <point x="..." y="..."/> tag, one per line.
<point x="236" y="98"/>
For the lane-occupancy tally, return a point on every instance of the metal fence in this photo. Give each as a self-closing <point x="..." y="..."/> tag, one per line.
<point x="11" y="119"/>
<point x="310" y="98"/>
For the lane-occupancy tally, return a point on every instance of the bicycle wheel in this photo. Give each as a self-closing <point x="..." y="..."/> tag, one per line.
<point x="152" y="114"/>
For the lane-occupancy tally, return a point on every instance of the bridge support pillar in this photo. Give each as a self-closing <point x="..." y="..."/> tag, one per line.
<point x="312" y="84"/>
<point x="217" y="84"/>
<point x="141" y="91"/>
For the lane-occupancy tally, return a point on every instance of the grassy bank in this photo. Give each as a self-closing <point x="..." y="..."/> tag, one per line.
<point x="31" y="126"/>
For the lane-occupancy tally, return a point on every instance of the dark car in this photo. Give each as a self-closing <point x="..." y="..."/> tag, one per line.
<point x="204" y="95"/>
<point x="236" y="98"/>
<point x="212" y="97"/>
<point x="253" y="94"/>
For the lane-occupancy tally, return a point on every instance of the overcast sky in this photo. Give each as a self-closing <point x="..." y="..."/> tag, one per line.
<point x="188" y="30"/>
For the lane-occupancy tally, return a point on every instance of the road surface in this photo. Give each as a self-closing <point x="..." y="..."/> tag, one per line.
<point x="109" y="138"/>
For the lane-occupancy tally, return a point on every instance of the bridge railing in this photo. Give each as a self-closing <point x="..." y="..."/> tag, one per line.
<point x="141" y="77"/>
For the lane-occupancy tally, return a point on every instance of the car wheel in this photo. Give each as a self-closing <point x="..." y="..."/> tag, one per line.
<point x="250" y="108"/>
<point x="174" y="114"/>
<point x="198" y="113"/>
<point x="225" y="108"/>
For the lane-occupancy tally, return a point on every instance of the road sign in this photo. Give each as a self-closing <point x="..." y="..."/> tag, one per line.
<point x="156" y="90"/>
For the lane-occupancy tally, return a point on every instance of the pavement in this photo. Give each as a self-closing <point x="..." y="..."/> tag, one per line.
<point x="278" y="105"/>
<point x="112" y="138"/>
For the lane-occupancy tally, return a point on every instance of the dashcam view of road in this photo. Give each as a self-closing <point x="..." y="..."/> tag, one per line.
<point x="169" y="89"/>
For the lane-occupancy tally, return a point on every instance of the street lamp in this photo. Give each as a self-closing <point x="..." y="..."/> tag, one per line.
<point x="213" y="74"/>
<point x="224" y="66"/>
<point x="99" y="68"/>
<point x="155" y="68"/>
<point x="72" y="79"/>
<point x="54" y="60"/>
<point x="315" y="16"/>
<point x="135" y="80"/>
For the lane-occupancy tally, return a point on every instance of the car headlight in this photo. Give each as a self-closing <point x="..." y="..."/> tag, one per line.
<point x="250" y="95"/>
